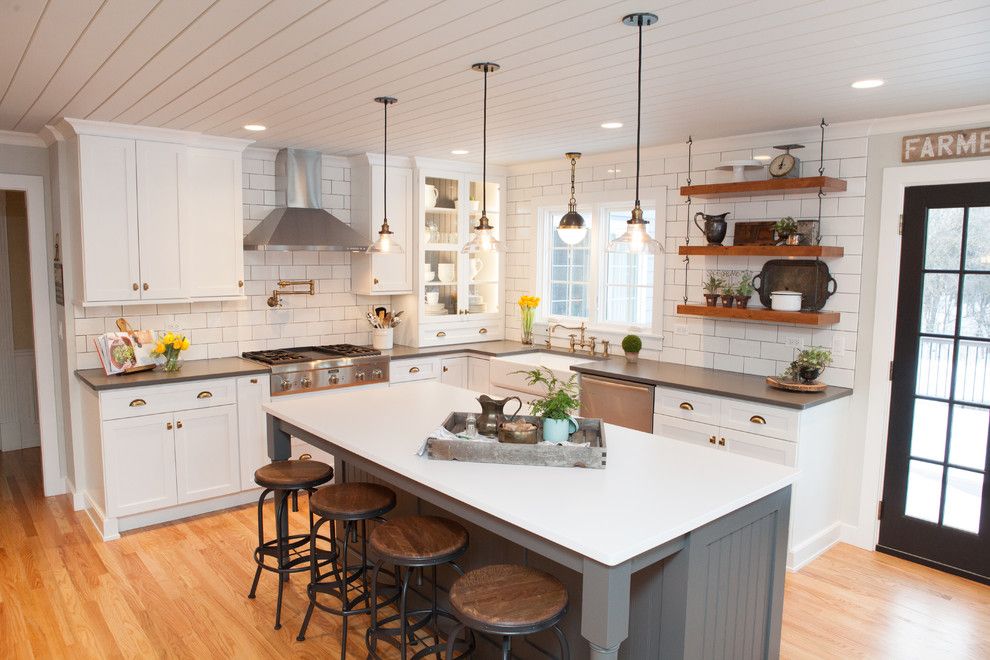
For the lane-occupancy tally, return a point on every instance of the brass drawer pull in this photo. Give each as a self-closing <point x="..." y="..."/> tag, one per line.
<point x="711" y="439"/>
<point x="137" y="403"/>
<point x="254" y="381"/>
<point x="685" y="406"/>
<point x="756" y="419"/>
<point x="305" y="457"/>
<point x="414" y="370"/>
<point x="178" y="425"/>
<point x="240" y="284"/>
<point x="204" y="395"/>
<point x="168" y="426"/>
<point x="483" y="331"/>
<point x="721" y="442"/>
<point x="441" y="334"/>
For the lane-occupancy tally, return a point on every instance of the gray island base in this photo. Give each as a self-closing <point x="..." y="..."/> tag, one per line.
<point x="713" y="591"/>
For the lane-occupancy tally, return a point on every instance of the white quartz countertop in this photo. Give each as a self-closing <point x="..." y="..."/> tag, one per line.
<point x="651" y="491"/>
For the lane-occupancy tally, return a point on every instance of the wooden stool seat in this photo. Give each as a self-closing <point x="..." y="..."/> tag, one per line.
<point x="293" y="475"/>
<point x="508" y="599"/>
<point x="353" y="501"/>
<point x="419" y="540"/>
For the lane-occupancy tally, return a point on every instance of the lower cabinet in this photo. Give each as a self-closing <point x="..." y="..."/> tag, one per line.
<point x="252" y="393"/>
<point x="206" y="454"/>
<point x="139" y="464"/>
<point x="454" y="371"/>
<point x="479" y="375"/>
<point x="717" y="437"/>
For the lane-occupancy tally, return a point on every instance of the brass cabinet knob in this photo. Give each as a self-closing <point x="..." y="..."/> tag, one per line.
<point x="135" y="286"/>
<point x="711" y="439"/>
<point x="721" y="442"/>
<point x="137" y="403"/>
<point x="375" y="280"/>
<point x="757" y="419"/>
<point x="205" y="395"/>
<point x="168" y="426"/>
<point x="445" y="369"/>
<point x="686" y="406"/>
<point x="240" y="284"/>
<point x="254" y="381"/>
<point x="145" y="286"/>
<point x="178" y="425"/>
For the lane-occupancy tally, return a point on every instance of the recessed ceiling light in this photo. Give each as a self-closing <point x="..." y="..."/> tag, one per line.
<point x="255" y="127"/>
<point x="460" y="152"/>
<point x="762" y="158"/>
<point x="612" y="124"/>
<point x="867" y="84"/>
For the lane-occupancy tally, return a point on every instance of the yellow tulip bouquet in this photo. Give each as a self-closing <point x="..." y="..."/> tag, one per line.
<point x="168" y="348"/>
<point x="527" y="309"/>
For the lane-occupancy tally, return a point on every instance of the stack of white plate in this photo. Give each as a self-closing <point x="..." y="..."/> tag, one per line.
<point x="478" y="308"/>
<point x="435" y="309"/>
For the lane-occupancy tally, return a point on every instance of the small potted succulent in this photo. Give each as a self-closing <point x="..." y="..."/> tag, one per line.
<point x="557" y="406"/>
<point x="786" y="230"/>
<point x="712" y="286"/>
<point x="744" y="290"/>
<point x="632" y="345"/>
<point x="809" y="364"/>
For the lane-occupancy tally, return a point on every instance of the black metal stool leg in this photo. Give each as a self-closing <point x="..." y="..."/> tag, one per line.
<point x="281" y="521"/>
<point x="314" y="576"/>
<point x="344" y="605"/>
<point x="506" y="647"/>
<point x="452" y="639"/>
<point x="565" y="651"/>
<point x="261" y="540"/>
<point x="402" y="610"/>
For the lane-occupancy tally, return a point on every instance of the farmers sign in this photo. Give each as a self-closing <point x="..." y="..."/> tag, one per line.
<point x="946" y="145"/>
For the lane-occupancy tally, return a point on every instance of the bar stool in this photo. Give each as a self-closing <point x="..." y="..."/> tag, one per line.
<point x="354" y="504"/>
<point x="291" y="552"/>
<point x="509" y="601"/>
<point x="409" y="543"/>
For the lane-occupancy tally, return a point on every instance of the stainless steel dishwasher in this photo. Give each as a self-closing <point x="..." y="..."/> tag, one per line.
<point x="618" y="402"/>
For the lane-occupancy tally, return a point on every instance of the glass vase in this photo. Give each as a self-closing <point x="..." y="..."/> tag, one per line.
<point x="171" y="363"/>
<point x="528" y="315"/>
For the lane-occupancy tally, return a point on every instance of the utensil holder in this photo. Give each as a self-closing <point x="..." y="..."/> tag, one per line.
<point x="382" y="338"/>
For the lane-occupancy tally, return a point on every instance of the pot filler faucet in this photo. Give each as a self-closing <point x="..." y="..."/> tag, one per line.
<point x="575" y="343"/>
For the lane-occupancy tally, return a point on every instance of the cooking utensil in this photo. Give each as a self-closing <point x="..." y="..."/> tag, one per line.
<point x="809" y="277"/>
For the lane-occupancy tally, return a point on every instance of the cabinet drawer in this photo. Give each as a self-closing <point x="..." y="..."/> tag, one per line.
<point x="758" y="446"/>
<point x="131" y="402"/>
<point x="685" y="430"/>
<point x="403" y="371"/>
<point x="461" y="332"/>
<point x="760" y="419"/>
<point x="688" y="405"/>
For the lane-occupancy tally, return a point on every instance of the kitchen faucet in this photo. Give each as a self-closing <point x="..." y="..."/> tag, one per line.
<point x="575" y="343"/>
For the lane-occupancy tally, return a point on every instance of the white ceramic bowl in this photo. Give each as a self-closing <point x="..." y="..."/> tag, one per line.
<point x="786" y="301"/>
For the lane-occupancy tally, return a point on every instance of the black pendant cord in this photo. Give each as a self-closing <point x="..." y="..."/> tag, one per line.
<point x="687" y="236"/>
<point x="484" y="150"/>
<point x="639" y="104"/>
<point x="385" y="169"/>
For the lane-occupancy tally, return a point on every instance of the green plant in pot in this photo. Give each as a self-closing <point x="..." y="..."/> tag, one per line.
<point x="631" y="346"/>
<point x="809" y="364"/>
<point x="744" y="290"/>
<point x="557" y="406"/>
<point x="786" y="230"/>
<point x="728" y="290"/>
<point x="712" y="286"/>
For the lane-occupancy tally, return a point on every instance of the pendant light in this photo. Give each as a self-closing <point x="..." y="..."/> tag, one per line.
<point x="484" y="234"/>
<point x="571" y="227"/>
<point x="636" y="240"/>
<point x="386" y="238"/>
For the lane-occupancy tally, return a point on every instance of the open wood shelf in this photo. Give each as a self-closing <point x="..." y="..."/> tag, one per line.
<point x="765" y="187"/>
<point x="762" y="250"/>
<point x="761" y="314"/>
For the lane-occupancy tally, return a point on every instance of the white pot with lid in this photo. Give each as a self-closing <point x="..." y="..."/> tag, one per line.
<point x="785" y="301"/>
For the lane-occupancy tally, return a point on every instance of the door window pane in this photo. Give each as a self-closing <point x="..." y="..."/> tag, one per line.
<point x="975" y="306"/>
<point x="963" y="500"/>
<point x="924" y="491"/>
<point x="943" y="239"/>
<point x="938" y="303"/>
<point x="973" y="372"/>
<point x="968" y="445"/>
<point x="978" y="239"/>
<point x="934" y="367"/>
<point x="928" y="433"/>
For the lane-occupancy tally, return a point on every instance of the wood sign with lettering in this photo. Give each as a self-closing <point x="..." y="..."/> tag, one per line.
<point x="946" y="145"/>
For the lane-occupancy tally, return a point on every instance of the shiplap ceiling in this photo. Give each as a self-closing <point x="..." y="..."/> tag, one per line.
<point x="308" y="69"/>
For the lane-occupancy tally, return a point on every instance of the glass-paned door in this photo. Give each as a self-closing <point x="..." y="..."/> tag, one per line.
<point x="442" y="238"/>
<point x="482" y="275"/>
<point x="936" y="477"/>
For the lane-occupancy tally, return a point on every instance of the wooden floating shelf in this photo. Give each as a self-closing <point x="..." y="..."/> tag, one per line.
<point x="765" y="187"/>
<point x="762" y="250"/>
<point x="761" y="314"/>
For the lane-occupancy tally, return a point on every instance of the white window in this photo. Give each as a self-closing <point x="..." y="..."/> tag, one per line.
<point x="583" y="282"/>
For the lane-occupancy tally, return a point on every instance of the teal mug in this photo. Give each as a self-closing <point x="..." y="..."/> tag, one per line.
<point x="559" y="430"/>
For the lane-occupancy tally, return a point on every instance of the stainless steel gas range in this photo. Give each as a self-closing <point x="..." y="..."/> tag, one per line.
<point x="313" y="368"/>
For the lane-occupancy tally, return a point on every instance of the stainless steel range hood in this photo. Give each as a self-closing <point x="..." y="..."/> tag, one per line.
<point x="302" y="224"/>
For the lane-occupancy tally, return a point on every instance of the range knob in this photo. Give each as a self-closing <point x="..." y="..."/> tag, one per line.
<point x="359" y="375"/>
<point x="306" y="382"/>
<point x="334" y="379"/>
<point x="377" y="373"/>
<point x="286" y="384"/>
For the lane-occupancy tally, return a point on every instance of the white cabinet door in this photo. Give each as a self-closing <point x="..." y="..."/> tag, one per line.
<point x="252" y="393"/>
<point x="687" y="431"/>
<point x="479" y="375"/>
<point x="161" y="178"/>
<point x="206" y="455"/>
<point x="139" y="457"/>
<point x="454" y="371"/>
<point x="758" y="446"/>
<point x="212" y="228"/>
<point x="392" y="273"/>
<point x="108" y="216"/>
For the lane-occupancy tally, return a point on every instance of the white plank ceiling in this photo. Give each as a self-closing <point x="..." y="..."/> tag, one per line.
<point x="308" y="69"/>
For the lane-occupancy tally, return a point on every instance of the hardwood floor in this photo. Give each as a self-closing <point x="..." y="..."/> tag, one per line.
<point x="179" y="590"/>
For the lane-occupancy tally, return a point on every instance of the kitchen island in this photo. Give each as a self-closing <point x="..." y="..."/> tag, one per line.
<point x="669" y="551"/>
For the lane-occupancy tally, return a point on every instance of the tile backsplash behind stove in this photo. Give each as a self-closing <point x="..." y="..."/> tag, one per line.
<point x="222" y="329"/>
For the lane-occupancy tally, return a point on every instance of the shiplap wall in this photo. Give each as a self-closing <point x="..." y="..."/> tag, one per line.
<point x="222" y="329"/>
<point x="748" y="347"/>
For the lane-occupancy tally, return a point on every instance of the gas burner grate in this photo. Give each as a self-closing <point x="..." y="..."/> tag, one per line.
<point x="347" y="350"/>
<point x="274" y="357"/>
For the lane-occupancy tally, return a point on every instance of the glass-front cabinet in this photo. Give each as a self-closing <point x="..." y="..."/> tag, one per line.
<point x="460" y="296"/>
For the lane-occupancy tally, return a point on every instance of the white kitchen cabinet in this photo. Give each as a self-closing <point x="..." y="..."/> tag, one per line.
<point x="252" y="393"/>
<point x="139" y="464"/>
<point x="382" y="274"/>
<point x="410" y="369"/>
<point x="758" y="446"/>
<point x="161" y="184"/>
<point x="454" y="371"/>
<point x="206" y="453"/>
<point x="479" y="374"/>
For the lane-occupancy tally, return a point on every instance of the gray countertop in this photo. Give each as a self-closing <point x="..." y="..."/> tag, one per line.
<point x="191" y="370"/>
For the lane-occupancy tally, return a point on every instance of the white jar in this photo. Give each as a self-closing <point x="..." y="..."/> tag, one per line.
<point x="785" y="301"/>
<point x="381" y="338"/>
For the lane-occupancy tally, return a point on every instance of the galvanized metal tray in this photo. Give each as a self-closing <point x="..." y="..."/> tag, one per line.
<point x="809" y="276"/>
<point x="570" y="454"/>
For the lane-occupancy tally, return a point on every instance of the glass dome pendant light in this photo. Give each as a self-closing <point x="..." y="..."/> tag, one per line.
<point x="386" y="243"/>
<point x="571" y="229"/>
<point x="484" y="239"/>
<point x="636" y="240"/>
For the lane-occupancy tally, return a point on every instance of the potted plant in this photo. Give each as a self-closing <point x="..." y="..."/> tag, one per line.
<point x="632" y="345"/>
<point x="786" y="230"/>
<point x="557" y="405"/>
<point x="744" y="290"/>
<point x="728" y="289"/>
<point x="809" y="364"/>
<point x="712" y="286"/>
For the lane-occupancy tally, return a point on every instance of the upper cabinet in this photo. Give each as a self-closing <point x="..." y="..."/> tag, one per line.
<point x="159" y="214"/>
<point x="382" y="274"/>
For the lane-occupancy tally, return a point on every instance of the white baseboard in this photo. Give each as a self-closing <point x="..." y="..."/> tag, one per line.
<point x="139" y="520"/>
<point x="105" y="527"/>
<point x="859" y="537"/>
<point x="799" y="555"/>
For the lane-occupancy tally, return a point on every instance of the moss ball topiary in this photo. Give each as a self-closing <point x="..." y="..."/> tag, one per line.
<point x="632" y="344"/>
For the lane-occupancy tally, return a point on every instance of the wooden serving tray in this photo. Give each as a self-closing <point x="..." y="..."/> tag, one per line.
<point x="589" y="430"/>
<point x="795" y="386"/>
